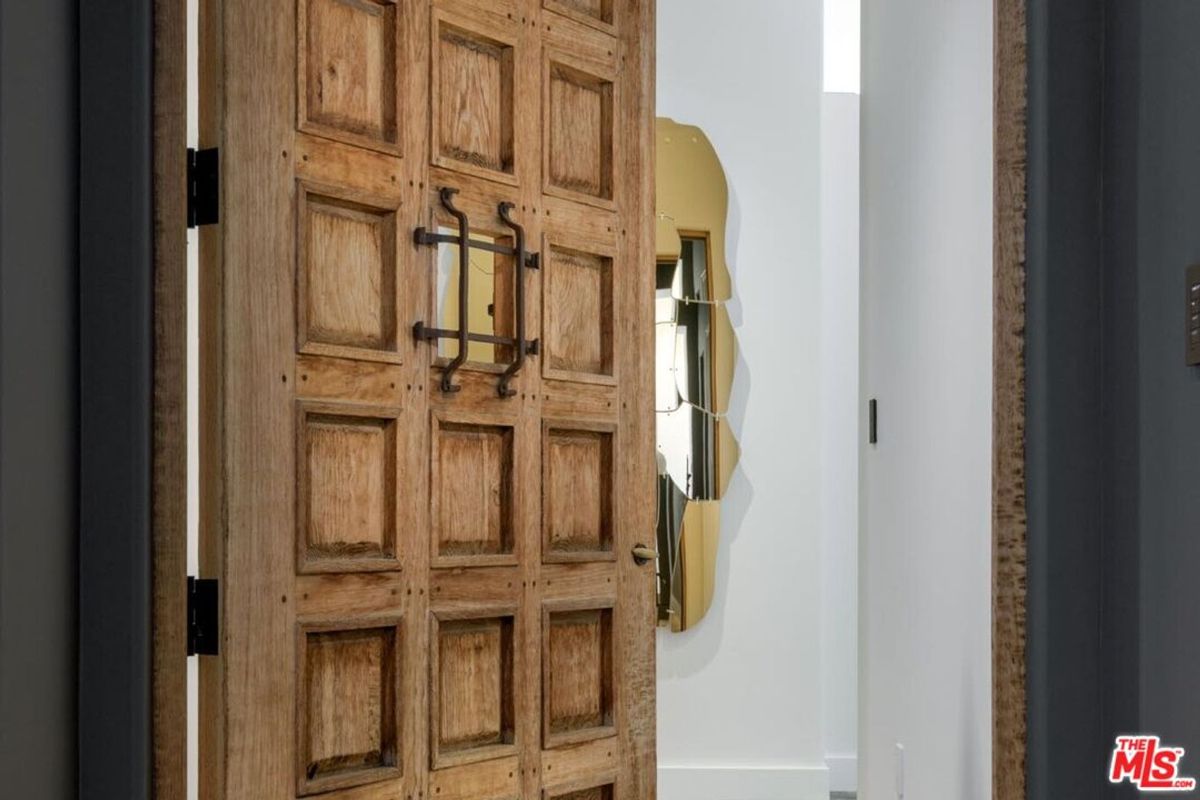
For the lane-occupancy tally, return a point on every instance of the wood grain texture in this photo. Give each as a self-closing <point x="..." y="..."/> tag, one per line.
<point x="347" y="274"/>
<point x="472" y="495"/>
<point x="248" y="714"/>
<point x="598" y="13"/>
<point x="578" y="504"/>
<point x="347" y="489"/>
<point x="472" y="686"/>
<point x="577" y="667"/>
<point x="348" y="733"/>
<point x="348" y="70"/>
<point x="593" y="793"/>
<point x="169" y="542"/>
<point x="212" y="723"/>
<point x="580" y="271"/>
<point x="1009" y="520"/>
<point x="579" y="121"/>
<point x="315" y="398"/>
<point x="475" y="88"/>
<point x="634" y="650"/>
<point x="578" y="314"/>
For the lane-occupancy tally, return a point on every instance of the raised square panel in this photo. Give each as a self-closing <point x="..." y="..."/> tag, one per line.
<point x="604" y="792"/>
<point x="472" y="704"/>
<point x="579" y="134"/>
<point x="346" y="491"/>
<point x="347" y="278"/>
<point x="577" y="493"/>
<point x="348" y="70"/>
<point x="577" y="690"/>
<point x="597" y="13"/>
<point x="472" y="99"/>
<point x="348" y="714"/>
<point x="578" y="313"/>
<point x="472" y="493"/>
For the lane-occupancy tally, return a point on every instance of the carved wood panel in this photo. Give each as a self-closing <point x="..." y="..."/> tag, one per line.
<point x="348" y="706"/>
<point x="349" y="70"/>
<point x="428" y="594"/>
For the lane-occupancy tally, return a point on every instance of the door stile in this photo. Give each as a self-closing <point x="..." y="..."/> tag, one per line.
<point x="415" y="288"/>
<point x="249" y="377"/>
<point x="636" y="650"/>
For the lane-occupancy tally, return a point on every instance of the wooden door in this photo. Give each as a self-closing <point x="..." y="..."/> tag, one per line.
<point x="427" y="581"/>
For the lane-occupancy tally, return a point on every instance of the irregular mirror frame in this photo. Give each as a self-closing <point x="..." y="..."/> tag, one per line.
<point x="695" y="356"/>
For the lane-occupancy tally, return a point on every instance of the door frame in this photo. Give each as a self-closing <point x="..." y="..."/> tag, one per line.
<point x="1009" y="517"/>
<point x="169" y="474"/>
<point x="168" y="683"/>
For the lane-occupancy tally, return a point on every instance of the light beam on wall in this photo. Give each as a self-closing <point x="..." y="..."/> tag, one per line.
<point x="842" y="39"/>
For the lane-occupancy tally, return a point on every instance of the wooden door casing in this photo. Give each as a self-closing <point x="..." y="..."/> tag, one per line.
<point x="427" y="594"/>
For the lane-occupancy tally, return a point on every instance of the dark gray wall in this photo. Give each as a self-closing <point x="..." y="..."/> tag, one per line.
<point x="75" y="390"/>
<point x="1114" y="414"/>
<point x="1064" y="398"/>
<point x="115" y="349"/>
<point x="1168" y="239"/>
<point x="38" y="390"/>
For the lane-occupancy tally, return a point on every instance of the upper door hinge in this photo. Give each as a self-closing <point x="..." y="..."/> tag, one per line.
<point x="203" y="187"/>
<point x="203" y="621"/>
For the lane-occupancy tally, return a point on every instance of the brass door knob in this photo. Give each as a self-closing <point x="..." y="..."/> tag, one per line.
<point x="643" y="554"/>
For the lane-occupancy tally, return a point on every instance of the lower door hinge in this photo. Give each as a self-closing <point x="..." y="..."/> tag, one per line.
<point x="203" y="622"/>
<point x="203" y="187"/>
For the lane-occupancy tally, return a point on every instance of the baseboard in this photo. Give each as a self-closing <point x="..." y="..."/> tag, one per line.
<point x="843" y="772"/>
<point x="743" y="783"/>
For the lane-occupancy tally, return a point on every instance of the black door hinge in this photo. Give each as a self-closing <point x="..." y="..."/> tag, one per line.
<point x="203" y="622"/>
<point x="203" y="187"/>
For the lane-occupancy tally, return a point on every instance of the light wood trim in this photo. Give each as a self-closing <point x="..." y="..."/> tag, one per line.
<point x="1008" y="403"/>
<point x="169" y="539"/>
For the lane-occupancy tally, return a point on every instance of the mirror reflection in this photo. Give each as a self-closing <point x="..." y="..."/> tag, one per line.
<point x="490" y="308"/>
<point x="695" y="355"/>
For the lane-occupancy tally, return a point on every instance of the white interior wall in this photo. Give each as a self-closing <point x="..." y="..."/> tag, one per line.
<point x="740" y="695"/>
<point x="839" y="432"/>
<point x="925" y="551"/>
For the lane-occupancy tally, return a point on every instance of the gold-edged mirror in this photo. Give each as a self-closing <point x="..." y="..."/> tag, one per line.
<point x="694" y="364"/>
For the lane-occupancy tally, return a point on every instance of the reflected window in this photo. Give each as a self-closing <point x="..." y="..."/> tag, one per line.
<point x="490" y="299"/>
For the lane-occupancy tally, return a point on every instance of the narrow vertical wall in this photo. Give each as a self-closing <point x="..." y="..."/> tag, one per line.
<point x="116" y="339"/>
<point x="1114" y="411"/>
<point x="38" y="389"/>
<point x="925" y="547"/>
<point x="1066" y="402"/>
<point x="740" y="695"/>
<point x="839" y="435"/>
<point x="1168" y="392"/>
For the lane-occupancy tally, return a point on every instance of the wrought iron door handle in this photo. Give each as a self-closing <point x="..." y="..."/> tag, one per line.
<point x="503" y="388"/>
<point x="521" y="259"/>
<point x="464" y="273"/>
<point x="643" y="554"/>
